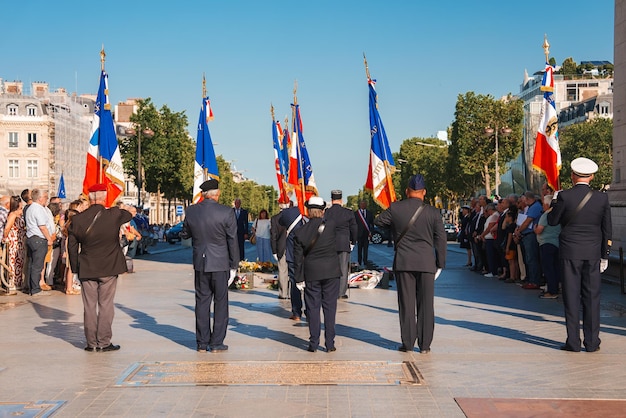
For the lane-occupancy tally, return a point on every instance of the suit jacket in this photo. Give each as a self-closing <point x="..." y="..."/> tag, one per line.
<point x="212" y="228"/>
<point x="242" y="222"/>
<point x="369" y="219"/>
<point x="97" y="253"/>
<point x="586" y="235"/>
<point x="322" y="262"/>
<point x="345" y="229"/>
<point x="415" y="251"/>
<point x="278" y="236"/>
<point x="287" y="217"/>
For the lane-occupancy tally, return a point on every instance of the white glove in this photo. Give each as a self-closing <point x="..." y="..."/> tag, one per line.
<point x="231" y="278"/>
<point x="275" y="256"/>
<point x="604" y="264"/>
<point x="555" y="194"/>
<point x="437" y="273"/>
<point x="351" y="247"/>
<point x="300" y="286"/>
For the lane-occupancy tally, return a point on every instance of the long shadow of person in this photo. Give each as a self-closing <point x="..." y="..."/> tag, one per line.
<point x="259" y="331"/>
<point x="144" y="321"/>
<point x="60" y="325"/>
<point x="365" y="336"/>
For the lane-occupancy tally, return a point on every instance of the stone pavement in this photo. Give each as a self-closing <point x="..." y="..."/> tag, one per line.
<point x="492" y="340"/>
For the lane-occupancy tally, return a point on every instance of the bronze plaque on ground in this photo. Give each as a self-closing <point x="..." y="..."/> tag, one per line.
<point x="207" y="373"/>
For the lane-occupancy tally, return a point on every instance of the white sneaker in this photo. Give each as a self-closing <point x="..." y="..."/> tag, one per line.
<point x="488" y="275"/>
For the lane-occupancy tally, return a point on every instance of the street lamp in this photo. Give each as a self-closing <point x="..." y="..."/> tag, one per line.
<point x="504" y="131"/>
<point x="148" y="133"/>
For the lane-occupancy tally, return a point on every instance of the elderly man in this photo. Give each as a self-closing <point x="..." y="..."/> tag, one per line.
<point x="212" y="228"/>
<point x="584" y="245"/>
<point x="93" y="248"/>
<point x="420" y="255"/>
<point x="40" y="229"/>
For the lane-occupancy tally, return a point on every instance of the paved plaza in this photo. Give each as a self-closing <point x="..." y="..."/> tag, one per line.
<point x="492" y="340"/>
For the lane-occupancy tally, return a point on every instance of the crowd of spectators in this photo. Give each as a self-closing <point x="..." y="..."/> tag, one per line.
<point x="509" y="239"/>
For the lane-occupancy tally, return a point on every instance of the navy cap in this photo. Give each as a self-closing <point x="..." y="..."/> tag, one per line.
<point x="335" y="194"/>
<point x="416" y="182"/>
<point x="210" y="184"/>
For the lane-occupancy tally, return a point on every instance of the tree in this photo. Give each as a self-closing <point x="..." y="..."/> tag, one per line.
<point x="568" y="67"/>
<point x="594" y="140"/>
<point x="471" y="160"/>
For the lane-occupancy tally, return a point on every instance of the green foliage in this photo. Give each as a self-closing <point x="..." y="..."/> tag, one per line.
<point x="471" y="160"/>
<point x="568" y="67"/>
<point x="592" y="140"/>
<point x="427" y="156"/>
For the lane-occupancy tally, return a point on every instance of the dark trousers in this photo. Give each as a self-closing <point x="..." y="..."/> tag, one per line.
<point x="98" y="295"/>
<point x="321" y="293"/>
<point x="211" y="288"/>
<point x="416" y="295"/>
<point x="549" y="254"/>
<point x="362" y="246"/>
<point x="295" y="293"/>
<point x="581" y="284"/>
<point x="241" y="241"/>
<point x="344" y="265"/>
<point x="530" y="253"/>
<point x="492" y="257"/>
<point x="37" y="250"/>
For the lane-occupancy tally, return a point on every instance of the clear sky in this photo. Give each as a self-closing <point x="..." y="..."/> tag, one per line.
<point x="422" y="54"/>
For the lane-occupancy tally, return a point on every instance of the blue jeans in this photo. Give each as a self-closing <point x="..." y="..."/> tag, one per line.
<point x="37" y="250"/>
<point x="530" y="253"/>
<point x="551" y="268"/>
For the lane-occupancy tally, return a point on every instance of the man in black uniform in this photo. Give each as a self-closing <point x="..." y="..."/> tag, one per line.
<point x="346" y="230"/>
<point x="416" y="265"/>
<point x="584" y="245"/>
<point x="364" y="221"/>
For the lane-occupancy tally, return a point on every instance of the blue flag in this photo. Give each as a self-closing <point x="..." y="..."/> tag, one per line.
<point x="205" y="155"/>
<point x="61" y="192"/>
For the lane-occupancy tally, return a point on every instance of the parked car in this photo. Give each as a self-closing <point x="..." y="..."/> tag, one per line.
<point x="380" y="234"/>
<point x="173" y="234"/>
<point x="452" y="231"/>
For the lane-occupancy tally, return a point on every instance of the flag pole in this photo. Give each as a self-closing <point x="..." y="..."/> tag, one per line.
<point x="299" y="152"/>
<point x="205" y="172"/>
<point x="102" y="59"/>
<point x="384" y="150"/>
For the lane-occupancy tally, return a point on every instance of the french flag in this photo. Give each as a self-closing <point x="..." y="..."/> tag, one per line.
<point x="104" y="161"/>
<point x="205" y="164"/>
<point x="547" y="157"/>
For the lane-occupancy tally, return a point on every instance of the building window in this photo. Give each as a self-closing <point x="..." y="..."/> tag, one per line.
<point x="603" y="108"/>
<point x="32" y="111"/>
<point x="12" y="110"/>
<point x="32" y="168"/>
<point x="14" y="169"/>
<point x="32" y="140"/>
<point x="13" y="140"/>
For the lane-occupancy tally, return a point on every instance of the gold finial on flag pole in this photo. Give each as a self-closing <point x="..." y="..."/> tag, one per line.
<point x="272" y="111"/>
<point x="546" y="47"/>
<point x="203" y="86"/>
<point x="102" y="57"/>
<point x="295" y="90"/>
<point x="367" y="70"/>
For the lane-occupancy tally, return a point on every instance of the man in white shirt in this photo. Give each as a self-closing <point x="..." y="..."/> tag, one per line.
<point x="39" y="235"/>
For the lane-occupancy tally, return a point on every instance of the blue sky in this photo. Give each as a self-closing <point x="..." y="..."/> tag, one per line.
<point x="422" y="56"/>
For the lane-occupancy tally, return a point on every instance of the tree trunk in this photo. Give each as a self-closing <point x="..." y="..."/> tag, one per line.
<point x="487" y="181"/>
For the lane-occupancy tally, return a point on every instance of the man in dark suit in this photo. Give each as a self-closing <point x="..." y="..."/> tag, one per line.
<point x="584" y="245"/>
<point x="212" y="228"/>
<point x="242" y="227"/>
<point x="318" y="271"/>
<point x="365" y="223"/>
<point x="416" y="266"/>
<point x="291" y="219"/>
<point x="346" y="232"/>
<point x="278" y="241"/>
<point x="93" y="247"/>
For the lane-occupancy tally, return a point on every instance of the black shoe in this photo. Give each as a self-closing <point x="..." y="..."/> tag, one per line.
<point x="88" y="348"/>
<point x="593" y="351"/>
<point x="331" y="349"/>
<point x="219" y="348"/>
<point x="344" y="297"/>
<point x="202" y="350"/>
<point x="404" y="349"/>
<point x="110" y="347"/>
<point x="311" y="349"/>
<point x="566" y="347"/>
<point x="425" y="350"/>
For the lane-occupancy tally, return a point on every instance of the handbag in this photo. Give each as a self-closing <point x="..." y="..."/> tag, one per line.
<point x="253" y="236"/>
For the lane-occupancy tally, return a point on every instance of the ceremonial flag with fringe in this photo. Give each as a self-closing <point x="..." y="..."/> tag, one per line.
<point x="104" y="161"/>
<point x="381" y="166"/>
<point x="281" y="171"/>
<point x="205" y="165"/>
<point x="547" y="157"/>
<point x="305" y="186"/>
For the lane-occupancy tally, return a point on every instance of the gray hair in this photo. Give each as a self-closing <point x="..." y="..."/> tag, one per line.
<point x="316" y="213"/>
<point x="210" y="193"/>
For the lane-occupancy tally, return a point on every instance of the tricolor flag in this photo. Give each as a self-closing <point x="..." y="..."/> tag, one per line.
<point x="205" y="166"/>
<point x="547" y="158"/>
<point x="61" y="192"/>
<point x="281" y="170"/>
<point x="305" y="186"/>
<point x="381" y="165"/>
<point x="104" y="161"/>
